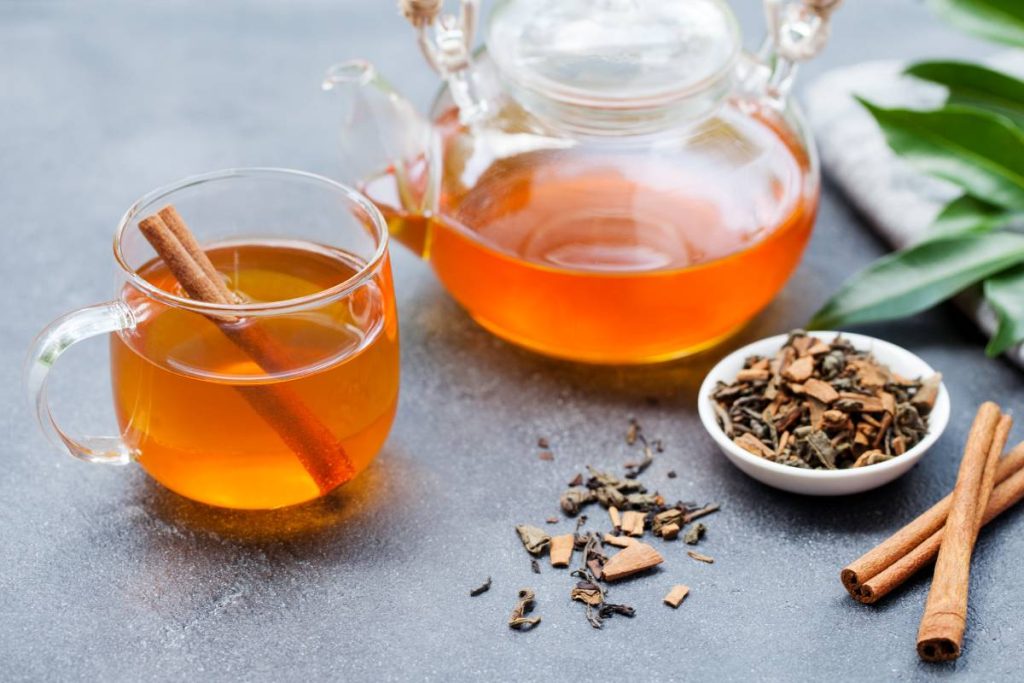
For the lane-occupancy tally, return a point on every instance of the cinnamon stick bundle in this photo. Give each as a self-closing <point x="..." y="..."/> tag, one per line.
<point x="945" y="616"/>
<point x="888" y="565"/>
<point x="316" y="447"/>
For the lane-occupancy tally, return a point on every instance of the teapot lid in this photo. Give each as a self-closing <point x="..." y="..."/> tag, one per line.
<point x="615" y="66"/>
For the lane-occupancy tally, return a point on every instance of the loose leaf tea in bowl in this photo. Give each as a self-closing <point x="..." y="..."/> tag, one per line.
<point x="824" y="405"/>
<point x="823" y="414"/>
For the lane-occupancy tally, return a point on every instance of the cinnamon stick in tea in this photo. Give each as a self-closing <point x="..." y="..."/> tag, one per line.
<point x="313" y="443"/>
<point x="945" y="614"/>
<point x="886" y="566"/>
<point x="1008" y="493"/>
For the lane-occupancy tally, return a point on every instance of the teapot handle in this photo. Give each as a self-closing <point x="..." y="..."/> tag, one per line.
<point x="797" y="32"/>
<point x="448" y="50"/>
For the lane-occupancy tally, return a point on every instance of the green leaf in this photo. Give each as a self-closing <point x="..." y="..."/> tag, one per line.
<point x="976" y="86"/>
<point x="983" y="153"/>
<point x="998" y="20"/>
<point x="909" y="281"/>
<point x="1005" y="294"/>
<point x="966" y="214"/>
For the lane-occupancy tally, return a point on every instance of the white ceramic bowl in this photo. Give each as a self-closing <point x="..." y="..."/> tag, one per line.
<point x="822" y="482"/>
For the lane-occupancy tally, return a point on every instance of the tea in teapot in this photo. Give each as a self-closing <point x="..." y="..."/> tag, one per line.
<point x="611" y="182"/>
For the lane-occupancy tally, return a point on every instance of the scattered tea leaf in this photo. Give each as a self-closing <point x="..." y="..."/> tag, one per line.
<point x="482" y="588"/>
<point x="695" y="533"/>
<point x="518" y="620"/>
<point x="700" y="512"/>
<point x="700" y="557"/>
<point x="534" y="540"/>
<point x="608" y="609"/>
<point x="535" y="566"/>
<point x="551" y="520"/>
<point x="574" y="499"/>
<point x="671" y="474"/>
<point x="546" y="455"/>
<point x="542" y="443"/>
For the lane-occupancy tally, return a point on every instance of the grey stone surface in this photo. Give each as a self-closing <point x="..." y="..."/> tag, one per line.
<point x="105" y="576"/>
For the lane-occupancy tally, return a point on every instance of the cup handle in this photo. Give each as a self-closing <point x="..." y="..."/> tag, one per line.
<point x="53" y="341"/>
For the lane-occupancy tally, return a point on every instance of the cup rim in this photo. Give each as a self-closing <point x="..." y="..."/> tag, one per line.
<point x="938" y="420"/>
<point x="337" y="291"/>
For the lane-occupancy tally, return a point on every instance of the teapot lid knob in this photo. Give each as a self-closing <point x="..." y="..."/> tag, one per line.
<point x="631" y="56"/>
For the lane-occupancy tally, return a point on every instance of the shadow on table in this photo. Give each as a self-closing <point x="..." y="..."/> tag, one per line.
<point x="325" y="524"/>
<point x="454" y="346"/>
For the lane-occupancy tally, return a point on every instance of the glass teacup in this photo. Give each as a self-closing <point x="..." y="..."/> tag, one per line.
<point x="202" y="408"/>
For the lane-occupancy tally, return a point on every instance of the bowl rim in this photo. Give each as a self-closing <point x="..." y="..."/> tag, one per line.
<point x="938" y="419"/>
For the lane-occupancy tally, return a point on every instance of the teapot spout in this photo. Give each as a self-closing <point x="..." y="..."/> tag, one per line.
<point x="385" y="142"/>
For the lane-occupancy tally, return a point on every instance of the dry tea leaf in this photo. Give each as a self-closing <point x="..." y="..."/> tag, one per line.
<point x="671" y="474"/>
<point x="672" y="516"/>
<point x="542" y="443"/>
<point x="676" y="596"/>
<point x="700" y="512"/>
<point x="631" y="560"/>
<point x="587" y="593"/>
<point x="518" y="620"/>
<point x="561" y="550"/>
<point x="551" y="520"/>
<point x="574" y="499"/>
<point x="534" y="540"/>
<point x="825" y="405"/>
<point x="695" y="533"/>
<point x="608" y="609"/>
<point x="700" y="557"/>
<point x="535" y="566"/>
<point x="482" y="588"/>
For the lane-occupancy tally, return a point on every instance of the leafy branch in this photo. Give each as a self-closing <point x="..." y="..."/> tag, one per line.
<point x="975" y="141"/>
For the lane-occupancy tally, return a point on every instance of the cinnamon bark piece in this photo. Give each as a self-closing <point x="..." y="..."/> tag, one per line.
<point x="676" y="596"/>
<point x="631" y="560"/>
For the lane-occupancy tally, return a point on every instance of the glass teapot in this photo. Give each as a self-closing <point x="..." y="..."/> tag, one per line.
<point x="611" y="181"/>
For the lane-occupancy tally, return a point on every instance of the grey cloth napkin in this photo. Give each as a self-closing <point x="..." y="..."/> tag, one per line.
<point x="899" y="202"/>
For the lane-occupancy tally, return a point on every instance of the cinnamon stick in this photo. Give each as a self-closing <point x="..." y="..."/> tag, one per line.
<point x="316" y="447"/>
<point x="173" y="220"/>
<point x="945" y="615"/>
<point x="872" y="576"/>
<point x="1008" y="493"/>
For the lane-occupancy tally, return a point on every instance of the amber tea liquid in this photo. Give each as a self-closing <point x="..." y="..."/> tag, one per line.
<point x="175" y="377"/>
<point x="620" y="257"/>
